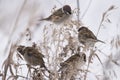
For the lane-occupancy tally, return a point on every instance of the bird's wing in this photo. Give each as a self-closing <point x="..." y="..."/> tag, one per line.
<point x="56" y="15"/>
<point x="38" y="54"/>
<point x="90" y="34"/>
<point x="72" y="58"/>
<point x="34" y="52"/>
<point x="58" y="12"/>
<point x="69" y="61"/>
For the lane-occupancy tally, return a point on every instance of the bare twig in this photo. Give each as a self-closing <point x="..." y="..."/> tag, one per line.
<point x="15" y="26"/>
<point x="104" y="17"/>
<point x="84" y="13"/>
<point x="78" y="11"/>
<point x="7" y="63"/>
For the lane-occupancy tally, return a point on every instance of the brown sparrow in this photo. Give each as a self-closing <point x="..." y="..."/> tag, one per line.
<point x="32" y="56"/>
<point x="86" y="37"/>
<point x="59" y="15"/>
<point x="71" y="65"/>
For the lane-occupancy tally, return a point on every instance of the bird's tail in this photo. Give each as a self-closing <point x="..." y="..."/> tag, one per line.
<point x="47" y="19"/>
<point x="46" y="68"/>
<point x="101" y="41"/>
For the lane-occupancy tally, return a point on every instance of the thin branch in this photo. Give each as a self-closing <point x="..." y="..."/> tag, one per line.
<point x="104" y="16"/>
<point x="85" y="76"/>
<point x="86" y="9"/>
<point x="14" y="27"/>
<point x="78" y="11"/>
<point x="59" y="2"/>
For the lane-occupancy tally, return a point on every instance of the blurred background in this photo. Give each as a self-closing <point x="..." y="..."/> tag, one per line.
<point x="19" y="24"/>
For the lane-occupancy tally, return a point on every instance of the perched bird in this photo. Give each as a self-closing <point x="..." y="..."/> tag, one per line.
<point x="32" y="56"/>
<point x="59" y="15"/>
<point x="71" y="65"/>
<point x="86" y="37"/>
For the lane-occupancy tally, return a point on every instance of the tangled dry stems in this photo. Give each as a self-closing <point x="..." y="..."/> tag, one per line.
<point x="55" y="48"/>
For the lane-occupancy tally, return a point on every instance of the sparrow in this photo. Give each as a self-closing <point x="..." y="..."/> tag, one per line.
<point x="59" y="15"/>
<point x="87" y="37"/>
<point x="32" y="56"/>
<point x="71" y="65"/>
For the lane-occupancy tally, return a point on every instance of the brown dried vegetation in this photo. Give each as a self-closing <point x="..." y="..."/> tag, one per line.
<point x="59" y="43"/>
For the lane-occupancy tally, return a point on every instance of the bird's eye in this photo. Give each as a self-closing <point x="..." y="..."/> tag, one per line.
<point x="68" y="12"/>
